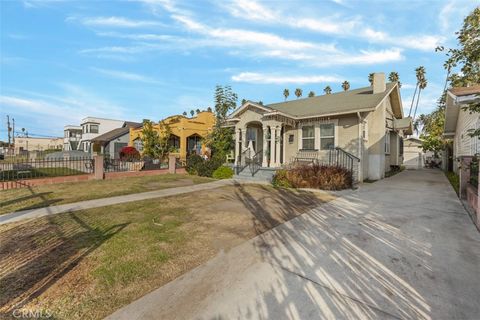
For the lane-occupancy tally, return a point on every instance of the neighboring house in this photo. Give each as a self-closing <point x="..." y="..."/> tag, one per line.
<point x="90" y="128"/>
<point x="459" y="122"/>
<point x="111" y="142"/>
<point x="72" y="136"/>
<point x="24" y="144"/>
<point x="413" y="155"/>
<point x="186" y="133"/>
<point x="365" y="124"/>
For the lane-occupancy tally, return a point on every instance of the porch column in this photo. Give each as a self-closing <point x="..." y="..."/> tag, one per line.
<point x="237" y="145"/>
<point x="265" y="147"/>
<point x="272" y="146"/>
<point x="277" y="143"/>
<point x="244" y="139"/>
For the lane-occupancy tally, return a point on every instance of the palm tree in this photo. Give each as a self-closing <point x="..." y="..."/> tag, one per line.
<point x="394" y="77"/>
<point x="298" y="92"/>
<point x="327" y="90"/>
<point x="421" y="85"/>
<point x="192" y="112"/>
<point x="197" y="111"/>
<point x="260" y="103"/>
<point x="311" y="94"/>
<point x="23" y="132"/>
<point x="184" y="113"/>
<point x="209" y="109"/>
<point x="244" y="101"/>
<point x="345" y="85"/>
<point x="420" y="74"/>
<point x="286" y="93"/>
<point x="370" y="78"/>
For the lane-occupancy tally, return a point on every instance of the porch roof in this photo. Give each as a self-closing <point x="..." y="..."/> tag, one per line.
<point x="356" y="100"/>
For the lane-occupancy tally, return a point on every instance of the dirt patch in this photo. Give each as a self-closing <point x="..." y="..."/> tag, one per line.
<point x="85" y="265"/>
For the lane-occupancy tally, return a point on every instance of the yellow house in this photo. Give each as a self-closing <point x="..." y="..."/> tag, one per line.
<point x="186" y="136"/>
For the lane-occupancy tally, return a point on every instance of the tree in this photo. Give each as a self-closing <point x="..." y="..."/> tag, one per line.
<point x="286" y="93"/>
<point x="220" y="140"/>
<point x="184" y="113"/>
<point x="155" y="142"/>
<point x="244" y="101"/>
<point x="370" y="78"/>
<point x="394" y="77"/>
<point x="192" y="112"/>
<point x="345" y="85"/>
<point x="197" y="111"/>
<point x="311" y="94"/>
<point x="421" y="85"/>
<point x="23" y="132"/>
<point x="420" y="74"/>
<point x="298" y="92"/>
<point x="327" y="90"/>
<point x="209" y="109"/>
<point x="260" y="103"/>
<point x="467" y="58"/>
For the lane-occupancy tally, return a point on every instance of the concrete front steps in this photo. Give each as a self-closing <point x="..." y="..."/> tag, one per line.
<point x="262" y="175"/>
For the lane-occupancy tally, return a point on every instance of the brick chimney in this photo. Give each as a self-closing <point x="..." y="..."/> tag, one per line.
<point x="379" y="82"/>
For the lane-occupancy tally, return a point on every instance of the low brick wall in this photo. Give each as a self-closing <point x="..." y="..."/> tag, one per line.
<point x="472" y="199"/>
<point x="83" y="177"/>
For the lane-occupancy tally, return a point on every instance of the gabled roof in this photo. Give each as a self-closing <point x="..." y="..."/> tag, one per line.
<point x="116" y="133"/>
<point x="456" y="97"/>
<point x="350" y="101"/>
<point x="465" y="91"/>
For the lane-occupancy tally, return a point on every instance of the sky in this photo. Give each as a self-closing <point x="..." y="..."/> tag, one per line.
<point x="147" y="59"/>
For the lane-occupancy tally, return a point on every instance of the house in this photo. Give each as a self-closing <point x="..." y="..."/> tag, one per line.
<point x="71" y="138"/>
<point x="459" y="122"/>
<point x="91" y="127"/>
<point x="111" y="142"/>
<point x="413" y="155"/>
<point x="363" y="127"/>
<point x="28" y="144"/>
<point x="186" y="133"/>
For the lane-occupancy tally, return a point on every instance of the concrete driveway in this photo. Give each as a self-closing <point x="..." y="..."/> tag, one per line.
<point x="401" y="248"/>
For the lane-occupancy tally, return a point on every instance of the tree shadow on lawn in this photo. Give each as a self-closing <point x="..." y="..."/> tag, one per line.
<point x="34" y="256"/>
<point x="45" y="202"/>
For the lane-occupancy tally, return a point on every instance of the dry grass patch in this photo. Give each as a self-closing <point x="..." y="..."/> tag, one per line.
<point x="55" y="194"/>
<point x="87" y="264"/>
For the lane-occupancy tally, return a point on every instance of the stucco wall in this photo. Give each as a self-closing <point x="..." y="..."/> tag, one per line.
<point x="375" y="146"/>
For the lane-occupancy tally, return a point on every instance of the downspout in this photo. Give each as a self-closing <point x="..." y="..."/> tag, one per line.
<point x="360" y="148"/>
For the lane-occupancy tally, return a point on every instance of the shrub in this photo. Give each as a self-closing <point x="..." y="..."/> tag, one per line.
<point x="129" y="154"/>
<point x="204" y="168"/>
<point x="314" y="176"/>
<point x="223" y="172"/>
<point x="280" y="179"/>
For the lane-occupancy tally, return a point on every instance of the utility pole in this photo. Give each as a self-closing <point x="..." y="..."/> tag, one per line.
<point x="13" y="120"/>
<point x="8" y="130"/>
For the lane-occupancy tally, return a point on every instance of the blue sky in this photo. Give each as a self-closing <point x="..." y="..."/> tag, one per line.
<point x="64" y="60"/>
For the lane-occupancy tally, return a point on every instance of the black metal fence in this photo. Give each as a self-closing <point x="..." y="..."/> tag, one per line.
<point x="121" y="165"/>
<point x="474" y="172"/>
<point x="22" y="169"/>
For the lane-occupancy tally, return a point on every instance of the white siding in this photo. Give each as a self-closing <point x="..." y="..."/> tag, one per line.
<point x="464" y="144"/>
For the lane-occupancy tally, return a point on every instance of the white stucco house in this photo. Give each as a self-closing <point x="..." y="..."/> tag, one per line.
<point x="361" y="128"/>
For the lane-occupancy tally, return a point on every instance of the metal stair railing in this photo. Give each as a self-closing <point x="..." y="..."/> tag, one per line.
<point x="339" y="157"/>
<point x="256" y="162"/>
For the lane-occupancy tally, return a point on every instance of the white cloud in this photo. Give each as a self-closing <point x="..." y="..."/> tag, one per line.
<point x="351" y="27"/>
<point x="122" y="75"/>
<point x="118" y="22"/>
<point x="262" y="78"/>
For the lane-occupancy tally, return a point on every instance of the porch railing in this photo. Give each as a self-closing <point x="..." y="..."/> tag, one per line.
<point x="256" y="162"/>
<point x="339" y="157"/>
<point x="242" y="164"/>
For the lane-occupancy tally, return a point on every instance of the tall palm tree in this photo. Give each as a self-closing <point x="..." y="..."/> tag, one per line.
<point x="345" y="85"/>
<point x="298" y="92"/>
<point x="192" y="112"/>
<point x="421" y="85"/>
<point x="311" y="94"/>
<point x="23" y="132"/>
<point x="394" y="77"/>
<point x="420" y="74"/>
<point x="327" y="90"/>
<point x="370" y="78"/>
<point x="286" y="93"/>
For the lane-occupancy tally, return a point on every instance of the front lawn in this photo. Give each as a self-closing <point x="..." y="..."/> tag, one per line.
<point x="54" y="194"/>
<point x="9" y="175"/>
<point x="87" y="264"/>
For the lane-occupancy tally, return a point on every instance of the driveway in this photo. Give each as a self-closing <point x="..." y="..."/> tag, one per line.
<point x="401" y="248"/>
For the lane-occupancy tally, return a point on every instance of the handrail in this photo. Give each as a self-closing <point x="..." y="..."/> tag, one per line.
<point x="348" y="154"/>
<point x="241" y="166"/>
<point x="256" y="163"/>
<point x="339" y="157"/>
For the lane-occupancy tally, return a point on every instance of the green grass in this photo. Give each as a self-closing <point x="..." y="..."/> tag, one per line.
<point x="9" y="175"/>
<point x="454" y="180"/>
<point x="55" y="194"/>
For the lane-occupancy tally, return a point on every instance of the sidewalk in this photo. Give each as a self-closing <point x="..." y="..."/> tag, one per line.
<point x="89" y="204"/>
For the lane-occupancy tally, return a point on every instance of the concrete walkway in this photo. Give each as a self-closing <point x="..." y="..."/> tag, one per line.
<point x="401" y="248"/>
<point x="89" y="204"/>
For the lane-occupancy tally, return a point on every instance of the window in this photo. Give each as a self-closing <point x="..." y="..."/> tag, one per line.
<point x="365" y="130"/>
<point x="174" y="142"/>
<point x="401" y="146"/>
<point x="291" y="137"/>
<point x="387" y="142"/>
<point x="84" y="129"/>
<point x="94" y="128"/>
<point x="138" y="144"/>
<point x="308" y="138"/>
<point x="327" y="136"/>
